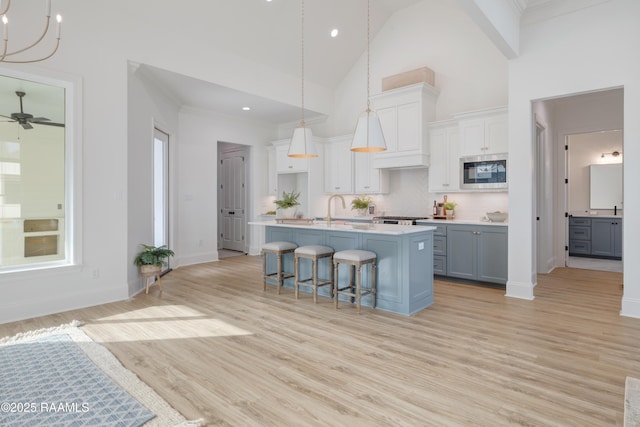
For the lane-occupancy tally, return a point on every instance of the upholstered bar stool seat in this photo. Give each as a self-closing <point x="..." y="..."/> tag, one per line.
<point x="314" y="253"/>
<point x="355" y="259"/>
<point x="279" y="249"/>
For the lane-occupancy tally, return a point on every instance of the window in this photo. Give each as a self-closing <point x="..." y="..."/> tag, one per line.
<point x="35" y="187"/>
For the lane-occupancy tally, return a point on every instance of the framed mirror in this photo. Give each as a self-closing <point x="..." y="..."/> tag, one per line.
<point x="605" y="186"/>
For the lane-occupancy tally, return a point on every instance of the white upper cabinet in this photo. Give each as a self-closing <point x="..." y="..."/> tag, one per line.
<point x="338" y="165"/>
<point x="444" y="171"/>
<point x="483" y="132"/>
<point x="272" y="175"/>
<point x="367" y="179"/>
<point x="404" y="114"/>
<point x="286" y="164"/>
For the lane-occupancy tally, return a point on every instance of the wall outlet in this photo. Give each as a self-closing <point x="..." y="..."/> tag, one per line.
<point x="421" y="246"/>
<point x="95" y="273"/>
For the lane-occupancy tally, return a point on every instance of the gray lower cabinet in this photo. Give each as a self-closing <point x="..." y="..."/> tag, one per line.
<point x="606" y="237"/>
<point x="477" y="253"/>
<point x="440" y="250"/>
<point x="595" y="237"/>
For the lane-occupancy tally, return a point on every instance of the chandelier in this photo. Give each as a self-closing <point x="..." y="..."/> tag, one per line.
<point x="6" y="55"/>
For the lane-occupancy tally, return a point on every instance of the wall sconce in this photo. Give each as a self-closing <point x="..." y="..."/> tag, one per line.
<point x="615" y="153"/>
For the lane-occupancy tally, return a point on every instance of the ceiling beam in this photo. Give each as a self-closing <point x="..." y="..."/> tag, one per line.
<point x="499" y="20"/>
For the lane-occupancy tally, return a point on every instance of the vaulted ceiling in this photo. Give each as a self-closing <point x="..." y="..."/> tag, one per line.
<point x="269" y="32"/>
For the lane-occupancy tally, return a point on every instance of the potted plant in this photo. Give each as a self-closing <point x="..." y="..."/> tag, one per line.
<point x="361" y="205"/>
<point x="448" y="207"/>
<point x="287" y="205"/>
<point x="152" y="258"/>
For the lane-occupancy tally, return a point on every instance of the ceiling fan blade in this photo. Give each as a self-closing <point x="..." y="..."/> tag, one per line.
<point x="61" y="125"/>
<point x="26" y="125"/>
<point x="8" y="117"/>
<point x="38" y="119"/>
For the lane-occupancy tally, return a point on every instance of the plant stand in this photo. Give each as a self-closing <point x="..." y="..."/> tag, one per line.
<point x="149" y="272"/>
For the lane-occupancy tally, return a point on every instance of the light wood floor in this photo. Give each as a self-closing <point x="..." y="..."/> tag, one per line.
<point x="215" y="346"/>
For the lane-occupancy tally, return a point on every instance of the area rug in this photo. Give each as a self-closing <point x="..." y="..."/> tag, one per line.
<point x="632" y="402"/>
<point x="60" y="377"/>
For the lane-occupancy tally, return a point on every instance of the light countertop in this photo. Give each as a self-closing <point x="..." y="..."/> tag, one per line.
<point x="338" y="225"/>
<point x="463" y="222"/>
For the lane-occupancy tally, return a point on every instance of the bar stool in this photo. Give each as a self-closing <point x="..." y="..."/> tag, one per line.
<point x="314" y="253"/>
<point x="279" y="249"/>
<point x="355" y="258"/>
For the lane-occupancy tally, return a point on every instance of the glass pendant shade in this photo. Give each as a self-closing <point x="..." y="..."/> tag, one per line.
<point x="301" y="144"/>
<point x="368" y="136"/>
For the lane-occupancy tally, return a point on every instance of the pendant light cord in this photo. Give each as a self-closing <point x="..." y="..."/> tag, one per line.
<point x="368" y="56"/>
<point x="302" y="61"/>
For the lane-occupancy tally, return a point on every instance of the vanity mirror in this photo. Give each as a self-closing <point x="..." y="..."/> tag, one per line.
<point x="605" y="186"/>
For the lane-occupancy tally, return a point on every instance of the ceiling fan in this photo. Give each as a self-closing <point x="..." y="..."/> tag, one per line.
<point x="26" y="119"/>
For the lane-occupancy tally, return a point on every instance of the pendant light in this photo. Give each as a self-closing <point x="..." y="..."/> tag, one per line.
<point x="368" y="136"/>
<point x="301" y="144"/>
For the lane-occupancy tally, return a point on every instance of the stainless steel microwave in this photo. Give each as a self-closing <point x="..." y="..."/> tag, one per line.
<point x="483" y="172"/>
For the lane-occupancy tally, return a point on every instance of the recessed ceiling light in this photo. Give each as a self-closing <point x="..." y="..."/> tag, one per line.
<point x="334" y="33"/>
<point x="248" y="108"/>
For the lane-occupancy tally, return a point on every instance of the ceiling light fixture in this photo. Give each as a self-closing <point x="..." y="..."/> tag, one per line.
<point x="301" y="144"/>
<point x="334" y="33"/>
<point x="246" y="108"/>
<point x="368" y="136"/>
<point x="5" y="54"/>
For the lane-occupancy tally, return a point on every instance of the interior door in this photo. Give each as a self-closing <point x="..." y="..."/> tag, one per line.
<point x="233" y="198"/>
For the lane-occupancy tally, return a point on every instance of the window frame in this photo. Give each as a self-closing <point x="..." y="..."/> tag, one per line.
<point x="72" y="173"/>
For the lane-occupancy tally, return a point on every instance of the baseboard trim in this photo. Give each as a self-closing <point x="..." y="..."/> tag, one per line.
<point x="520" y="290"/>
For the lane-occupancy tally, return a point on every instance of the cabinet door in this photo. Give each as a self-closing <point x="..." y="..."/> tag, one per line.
<point x="444" y="168"/>
<point x="439" y="165"/>
<point x="461" y="250"/>
<point x="272" y="174"/>
<point x="492" y="254"/>
<point x="486" y="134"/>
<point x="389" y="123"/>
<point x="601" y="237"/>
<point x="472" y="137"/>
<point x="409" y="128"/>
<point x="617" y="238"/>
<point x="286" y="164"/>
<point x="338" y="167"/>
<point x="496" y="134"/>
<point x="367" y="179"/>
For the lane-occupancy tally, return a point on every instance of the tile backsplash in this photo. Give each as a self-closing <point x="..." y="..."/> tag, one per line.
<point x="409" y="196"/>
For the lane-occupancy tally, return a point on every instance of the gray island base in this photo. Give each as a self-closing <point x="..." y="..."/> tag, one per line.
<point x="404" y="259"/>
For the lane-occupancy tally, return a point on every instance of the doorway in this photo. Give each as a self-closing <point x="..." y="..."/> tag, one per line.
<point x="594" y="200"/>
<point x="584" y="113"/>
<point x="161" y="190"/>
<point x="232" y="199"/>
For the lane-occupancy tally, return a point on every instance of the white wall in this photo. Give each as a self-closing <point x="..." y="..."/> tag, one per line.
<point x="98" y="41"/>
<point x="471" y="73"/>
<point x="587" y="50"/>
<point x="199" y="135"/>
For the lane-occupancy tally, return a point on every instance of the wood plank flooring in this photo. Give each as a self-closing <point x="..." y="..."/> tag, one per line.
<point x="216" y="347"/>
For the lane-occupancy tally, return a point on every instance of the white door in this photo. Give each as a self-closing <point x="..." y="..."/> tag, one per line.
<point x="233" y="200"/>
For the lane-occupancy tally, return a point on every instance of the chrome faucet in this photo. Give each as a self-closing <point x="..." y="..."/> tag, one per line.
<point x="333" y="196"/>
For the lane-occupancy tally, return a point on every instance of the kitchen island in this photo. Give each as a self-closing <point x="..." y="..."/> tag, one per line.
<point x="404" y="258"/>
